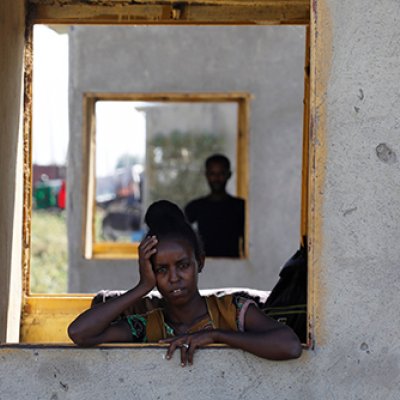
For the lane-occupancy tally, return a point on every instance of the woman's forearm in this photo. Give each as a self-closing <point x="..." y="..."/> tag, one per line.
<point x="96" y="320"/>
<point x="280" y="343"/>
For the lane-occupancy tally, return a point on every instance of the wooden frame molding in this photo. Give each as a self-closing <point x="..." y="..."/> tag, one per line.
<point x="111" y="250"/>
<point x="306" y="144"/>
<point x="197" y="12"/>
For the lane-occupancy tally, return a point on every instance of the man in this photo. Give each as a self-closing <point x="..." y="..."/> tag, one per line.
<point x="219" y="216"/>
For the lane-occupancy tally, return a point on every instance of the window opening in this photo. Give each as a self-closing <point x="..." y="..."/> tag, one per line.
<point x="50" y="132"/>
<point x="155" y="149"/>
<point x="51" y="327"/>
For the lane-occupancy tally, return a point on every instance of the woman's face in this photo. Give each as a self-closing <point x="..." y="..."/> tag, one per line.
<point x="176" y="269"/>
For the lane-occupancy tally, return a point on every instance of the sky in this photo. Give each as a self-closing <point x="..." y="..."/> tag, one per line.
<point x="50" y="97"/>
<point x="120" y="129"/>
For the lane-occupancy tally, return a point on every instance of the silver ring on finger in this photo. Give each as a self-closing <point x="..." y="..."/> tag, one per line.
<point x="186" y="346"/>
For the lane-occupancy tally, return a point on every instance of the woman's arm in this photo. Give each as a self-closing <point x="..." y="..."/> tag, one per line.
<point x="93" y="326"/>
<point x="263" y="337"/>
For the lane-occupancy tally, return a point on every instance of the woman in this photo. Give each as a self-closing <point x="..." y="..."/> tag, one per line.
<point x="170" y="258"/>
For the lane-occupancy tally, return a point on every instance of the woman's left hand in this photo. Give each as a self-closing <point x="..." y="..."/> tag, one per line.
<point x="188" y="344"/>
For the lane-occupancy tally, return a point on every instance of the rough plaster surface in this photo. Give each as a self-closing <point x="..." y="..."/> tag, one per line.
<point x="268" y="63"/>
<point x="360" y="257"/>
<point x="57" y="374"/>
<point x="222" y="374"/>
<point x="357" y="352"/>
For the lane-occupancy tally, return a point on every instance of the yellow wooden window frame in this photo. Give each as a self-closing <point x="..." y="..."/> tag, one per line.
<point x="111" y="250"/>
<point x="45" y="318"/>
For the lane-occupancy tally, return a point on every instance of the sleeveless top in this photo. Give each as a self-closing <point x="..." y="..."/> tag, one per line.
<point x="225" y="312"/>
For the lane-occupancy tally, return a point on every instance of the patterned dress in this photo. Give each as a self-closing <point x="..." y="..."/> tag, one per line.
<point x="225" y="312"/>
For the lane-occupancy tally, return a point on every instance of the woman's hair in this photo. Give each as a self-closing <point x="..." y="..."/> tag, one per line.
<point x="167" y="221"/>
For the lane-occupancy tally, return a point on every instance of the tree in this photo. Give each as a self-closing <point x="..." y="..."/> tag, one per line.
<point x="128" y="160"/>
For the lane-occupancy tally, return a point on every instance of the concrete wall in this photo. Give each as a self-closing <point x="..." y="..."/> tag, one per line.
<point x="355" y="256"/>
<point x="267" y="62"/>
<point x="12" y="27"/>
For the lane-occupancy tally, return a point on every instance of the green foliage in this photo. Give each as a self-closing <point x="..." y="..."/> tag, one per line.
<point x="98" y="218"/>
<point x="128" y="160"/>
<point x="49" y="261"/>
<point x="176" y="165"/>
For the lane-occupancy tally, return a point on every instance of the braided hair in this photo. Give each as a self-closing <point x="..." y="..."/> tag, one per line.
<point x="167" y="221"/>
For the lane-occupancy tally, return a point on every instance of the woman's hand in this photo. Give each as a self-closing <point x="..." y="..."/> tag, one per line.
<point x="147" y="248"/>
<point x="189" y="343"/>
<point x="263" y="337"/>
<point x="96" y="325"/>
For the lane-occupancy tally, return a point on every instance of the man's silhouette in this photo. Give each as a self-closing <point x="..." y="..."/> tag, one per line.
<point x="219" y="216"/>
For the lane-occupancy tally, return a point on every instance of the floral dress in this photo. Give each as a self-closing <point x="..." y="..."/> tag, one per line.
<point x="225" y="312"/>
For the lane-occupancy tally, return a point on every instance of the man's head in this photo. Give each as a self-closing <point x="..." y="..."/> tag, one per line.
<point x="218" y="172"/>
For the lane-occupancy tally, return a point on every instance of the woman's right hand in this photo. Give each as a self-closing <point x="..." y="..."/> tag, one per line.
<point x="147" y="248"/>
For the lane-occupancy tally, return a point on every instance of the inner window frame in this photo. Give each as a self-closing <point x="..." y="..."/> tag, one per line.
<point x="124" y="250"/>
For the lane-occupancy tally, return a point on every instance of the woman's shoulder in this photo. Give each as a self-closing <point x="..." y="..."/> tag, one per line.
<point x="228" y="299"/>
<point x="229" y="310"/>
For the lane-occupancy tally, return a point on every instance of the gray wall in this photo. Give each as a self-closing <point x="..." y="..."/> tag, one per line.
<point x="267" y="62"/>
<point x="357" y="353"/>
